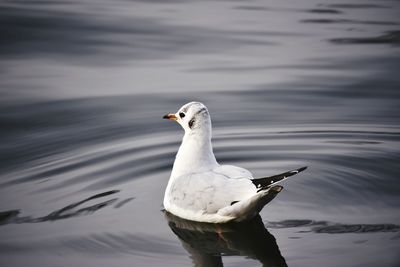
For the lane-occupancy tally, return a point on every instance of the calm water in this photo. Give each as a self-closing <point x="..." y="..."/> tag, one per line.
<point x="85" y="156"/>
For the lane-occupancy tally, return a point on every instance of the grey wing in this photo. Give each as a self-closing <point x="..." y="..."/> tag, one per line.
<point x="233" y="172"/>
<point x="209" y="191"/>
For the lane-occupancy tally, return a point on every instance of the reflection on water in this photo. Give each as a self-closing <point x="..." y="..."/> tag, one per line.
<point x="83" y="86"/>
<point x="207" y="243"/>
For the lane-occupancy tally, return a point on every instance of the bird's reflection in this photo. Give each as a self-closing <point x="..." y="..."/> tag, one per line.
<point x="207" y="243"/>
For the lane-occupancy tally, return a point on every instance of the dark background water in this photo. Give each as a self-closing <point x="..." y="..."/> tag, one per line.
<point x="85" y="156"/>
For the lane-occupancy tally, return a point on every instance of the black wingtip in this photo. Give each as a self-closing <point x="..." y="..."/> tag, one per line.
<point x="266" y="182"/>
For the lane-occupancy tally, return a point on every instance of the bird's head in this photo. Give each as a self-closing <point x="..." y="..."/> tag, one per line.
<point x="193" y="117"/>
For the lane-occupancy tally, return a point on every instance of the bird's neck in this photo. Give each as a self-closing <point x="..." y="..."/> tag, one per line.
<point x="195" y="155"/>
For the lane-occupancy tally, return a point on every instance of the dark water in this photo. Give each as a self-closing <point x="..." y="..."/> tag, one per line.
<point x="85" y="156"/>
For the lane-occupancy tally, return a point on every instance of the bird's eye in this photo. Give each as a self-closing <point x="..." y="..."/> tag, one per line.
<point x="182" y="115"/>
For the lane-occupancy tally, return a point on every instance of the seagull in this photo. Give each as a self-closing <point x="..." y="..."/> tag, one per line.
<point x="200" y="189"/>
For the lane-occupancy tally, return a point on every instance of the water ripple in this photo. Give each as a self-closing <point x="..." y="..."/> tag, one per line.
<point x="325" y="227"/>
<point x="72" y="210"/>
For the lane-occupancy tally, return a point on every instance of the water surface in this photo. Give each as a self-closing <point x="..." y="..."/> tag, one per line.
<point x="85" y="156"/>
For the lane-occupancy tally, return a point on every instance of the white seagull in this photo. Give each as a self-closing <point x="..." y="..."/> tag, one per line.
<point x="200" y="189"/>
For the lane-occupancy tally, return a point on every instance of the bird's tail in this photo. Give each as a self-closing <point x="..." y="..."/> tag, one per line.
<point x="267" y="189"/>
<point x="248" y="208"/>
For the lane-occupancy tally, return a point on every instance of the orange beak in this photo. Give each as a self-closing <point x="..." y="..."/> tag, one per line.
<point x="170" y="116"/>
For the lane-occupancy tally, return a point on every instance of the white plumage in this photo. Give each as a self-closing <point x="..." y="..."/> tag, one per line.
<point x="200" y="189"/>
